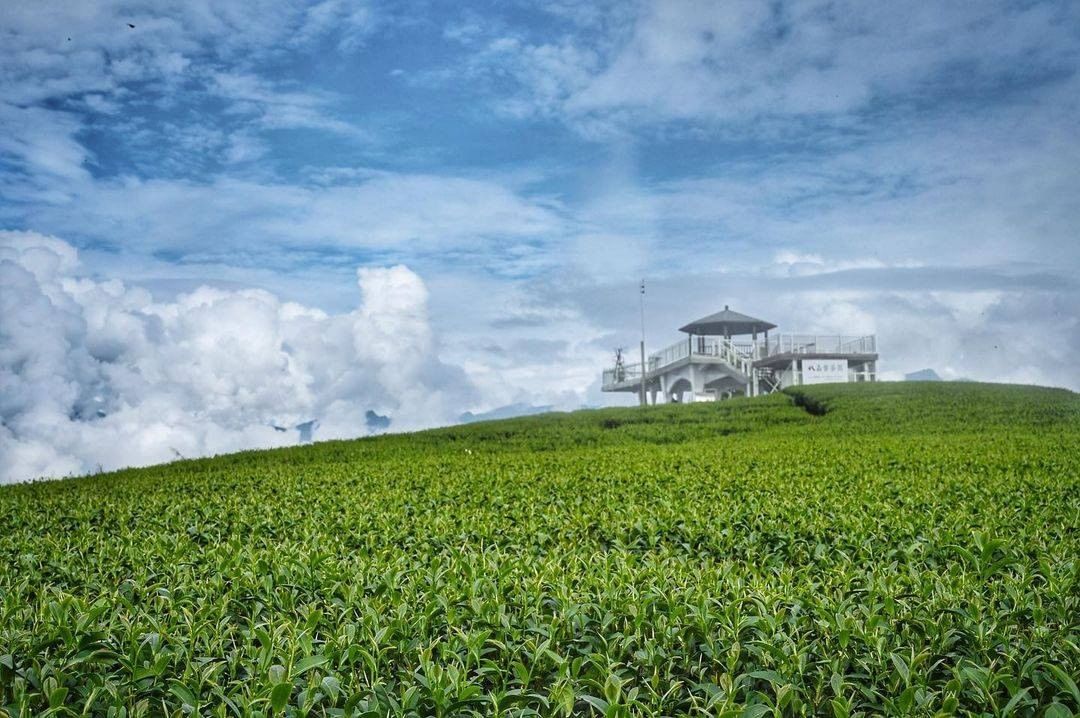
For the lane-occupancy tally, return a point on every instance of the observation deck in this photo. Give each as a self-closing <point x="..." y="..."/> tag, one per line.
<point x="720" y="366"/>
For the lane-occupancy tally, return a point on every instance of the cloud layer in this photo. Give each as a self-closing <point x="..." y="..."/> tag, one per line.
<point x="97" y="375"/>
<point x="657" y="61"/>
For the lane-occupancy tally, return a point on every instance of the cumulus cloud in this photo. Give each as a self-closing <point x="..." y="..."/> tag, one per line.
<point x="98" y="375"/>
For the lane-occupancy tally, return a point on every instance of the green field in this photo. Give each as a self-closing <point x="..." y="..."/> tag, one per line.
<point x="902" y="549"/>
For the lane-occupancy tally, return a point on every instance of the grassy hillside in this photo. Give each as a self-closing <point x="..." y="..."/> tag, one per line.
<point x="843" y="550"/>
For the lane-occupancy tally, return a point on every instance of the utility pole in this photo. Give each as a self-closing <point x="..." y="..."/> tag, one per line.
<point x="643" y="367"/>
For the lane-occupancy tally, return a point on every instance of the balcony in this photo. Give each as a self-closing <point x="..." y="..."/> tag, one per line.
<point x="740" y="355"/>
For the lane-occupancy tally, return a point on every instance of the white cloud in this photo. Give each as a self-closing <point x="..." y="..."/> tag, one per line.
<point x="98" y="375"/>
<point x="794" y="263"/>
<point x="411" y="214"/>
<point x="63" y="56"/>
<point x="41" y="142"/>
<point x="1019" y="336"/>
<point x="352" y="21"/>
<point x="963" y="192"/>
<point x="735" y="61"/>
<point x="552" y="72"/>
<point x="276" y="107"/>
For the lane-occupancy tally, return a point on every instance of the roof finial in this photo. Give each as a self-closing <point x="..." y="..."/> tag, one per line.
<point x="725" y="307"/>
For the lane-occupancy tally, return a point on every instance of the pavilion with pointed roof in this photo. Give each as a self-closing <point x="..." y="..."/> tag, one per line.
<point x="717" y="362"/>
<point x="727" y="324"/>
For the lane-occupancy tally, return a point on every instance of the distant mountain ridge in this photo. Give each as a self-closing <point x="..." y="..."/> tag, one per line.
<point x="505" y="412"/>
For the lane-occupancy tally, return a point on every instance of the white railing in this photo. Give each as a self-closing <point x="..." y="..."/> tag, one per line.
<point x="669" y="355"/>
<point x="733" y="355"/>
<point x="819" y="344"/>
<point x="621" y="375"/>
<point x="738" y="356"/>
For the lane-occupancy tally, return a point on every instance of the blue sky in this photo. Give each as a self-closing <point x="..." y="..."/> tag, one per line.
<point x="904" y="169"/>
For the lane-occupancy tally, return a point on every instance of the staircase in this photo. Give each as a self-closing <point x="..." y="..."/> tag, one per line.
<point x="734" y="357"/>
<point x="762" y="380"/>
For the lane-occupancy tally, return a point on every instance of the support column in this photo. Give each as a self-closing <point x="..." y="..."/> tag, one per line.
<point x="697" y="379"/>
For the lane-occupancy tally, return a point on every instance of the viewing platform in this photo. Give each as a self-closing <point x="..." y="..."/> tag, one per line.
<point x="712" y="366"/>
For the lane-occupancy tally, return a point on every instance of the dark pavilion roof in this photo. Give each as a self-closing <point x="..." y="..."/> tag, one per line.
<point x="727" y="323"/>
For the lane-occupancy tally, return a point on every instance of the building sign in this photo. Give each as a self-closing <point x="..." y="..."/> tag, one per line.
<point x="824" y="371"/>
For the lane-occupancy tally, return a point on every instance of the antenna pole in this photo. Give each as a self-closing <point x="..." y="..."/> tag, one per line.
<point x="643" y="367"/>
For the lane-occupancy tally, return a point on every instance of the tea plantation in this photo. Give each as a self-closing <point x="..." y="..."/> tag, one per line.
<point x="889" y="549"/>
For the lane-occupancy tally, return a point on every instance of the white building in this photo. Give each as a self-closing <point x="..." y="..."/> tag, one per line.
<point x="730" y="354"/>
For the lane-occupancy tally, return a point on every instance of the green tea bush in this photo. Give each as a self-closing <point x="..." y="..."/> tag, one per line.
<point x="903" y="550"/>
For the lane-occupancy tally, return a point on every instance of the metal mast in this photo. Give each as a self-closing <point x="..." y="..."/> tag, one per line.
<point x="643" y="367"/>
